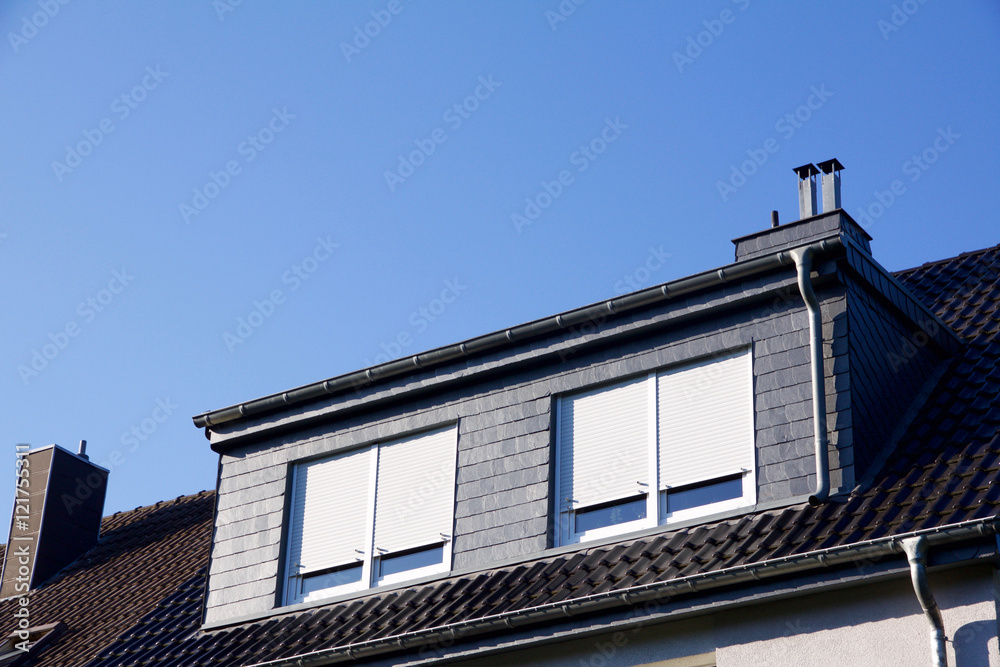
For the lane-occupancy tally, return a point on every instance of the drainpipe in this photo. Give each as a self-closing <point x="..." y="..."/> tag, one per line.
<point x="803" y="266"/>
<point x="916" y="553"/>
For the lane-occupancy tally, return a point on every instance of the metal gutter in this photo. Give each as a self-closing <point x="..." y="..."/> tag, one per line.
<point x="449" y="633"/>
<point x="803" y="267"/>
<point x="553" y="324"/>
<point x="916" y="554"/>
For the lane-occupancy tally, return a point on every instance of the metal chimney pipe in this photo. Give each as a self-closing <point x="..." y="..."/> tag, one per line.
<point x="831" y="184"/>
<point x="82" y="451"/>
<point x="774" y="219"/>
<point x="807" y="190"/>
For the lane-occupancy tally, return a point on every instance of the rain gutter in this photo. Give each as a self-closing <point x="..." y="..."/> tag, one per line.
<point x="450" y="633"/>
<point x="549" y="325"/>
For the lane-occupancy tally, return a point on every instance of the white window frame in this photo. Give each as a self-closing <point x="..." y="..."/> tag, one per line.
<point x="655" y="497"/>
<point x="370" y="559"/>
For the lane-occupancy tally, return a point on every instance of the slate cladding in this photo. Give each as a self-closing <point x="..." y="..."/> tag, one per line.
<point x="945" y="469"/>
<point x="143" y="556"/>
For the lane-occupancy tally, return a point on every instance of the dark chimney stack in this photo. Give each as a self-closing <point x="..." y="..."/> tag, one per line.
<point x="58" y="506"/>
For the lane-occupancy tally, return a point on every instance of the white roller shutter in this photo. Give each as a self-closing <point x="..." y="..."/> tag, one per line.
<point x="705" y="420"/>
<point x="603" y="444"/>
<point x="415" y="490"/>
<point x="329" y="516"/>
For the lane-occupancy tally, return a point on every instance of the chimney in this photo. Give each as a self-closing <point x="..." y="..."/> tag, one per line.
<point x="58" y="505"/>
<point x="831" y="184"/>
<point x="807" y="190"/>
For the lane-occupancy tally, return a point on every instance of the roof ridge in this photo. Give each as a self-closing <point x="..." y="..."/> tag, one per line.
<point x="163" y="503"/>
<point x="961" y="255"/>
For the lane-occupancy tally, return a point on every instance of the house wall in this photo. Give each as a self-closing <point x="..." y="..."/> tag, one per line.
<point x="505" y="447"/>
<point x="879" y="623"/>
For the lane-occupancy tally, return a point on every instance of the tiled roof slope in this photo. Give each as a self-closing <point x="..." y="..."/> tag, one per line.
<point x="946" y="473"/>
<point x="142" y="557"/>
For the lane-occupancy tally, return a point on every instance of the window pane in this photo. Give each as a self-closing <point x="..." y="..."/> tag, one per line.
<point x="609" y="514"/>
<point x="350" y="574"/>
<point x="696" y="495"/>
<point x="411" y="560"/>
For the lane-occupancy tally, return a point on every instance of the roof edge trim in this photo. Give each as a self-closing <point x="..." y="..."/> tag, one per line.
<point x="357" y="380"/>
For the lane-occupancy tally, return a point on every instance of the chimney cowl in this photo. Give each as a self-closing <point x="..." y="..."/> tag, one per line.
<point x="831" y="184"/>
<point x="807" y="190"/>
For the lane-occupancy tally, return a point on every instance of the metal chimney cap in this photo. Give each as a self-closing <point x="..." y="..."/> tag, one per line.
<point x="806" y="170"/>
<point x="830" y="165"/>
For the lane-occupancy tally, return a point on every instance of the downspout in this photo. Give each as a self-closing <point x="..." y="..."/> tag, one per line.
<point x="803" y="267"/>
<point x="916" y="553"/>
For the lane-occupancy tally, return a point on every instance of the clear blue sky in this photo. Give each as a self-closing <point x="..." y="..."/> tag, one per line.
<point x="169" y="167"/>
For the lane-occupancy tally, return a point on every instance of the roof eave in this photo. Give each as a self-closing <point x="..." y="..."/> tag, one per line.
<point x="518" y="334"/>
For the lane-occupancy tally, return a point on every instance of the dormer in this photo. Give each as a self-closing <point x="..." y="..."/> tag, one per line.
<point x="671" y="406"/>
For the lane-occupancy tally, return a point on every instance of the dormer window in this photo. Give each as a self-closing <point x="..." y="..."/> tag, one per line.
<point x="670" y="446"/>
<point x="372" y="516"/>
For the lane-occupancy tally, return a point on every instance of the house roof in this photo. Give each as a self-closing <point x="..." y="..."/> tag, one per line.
<point x="142" y="557"/>
<point x="943" y="478"/>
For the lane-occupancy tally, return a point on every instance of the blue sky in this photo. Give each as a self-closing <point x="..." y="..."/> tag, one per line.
<point x="206" y="202"/>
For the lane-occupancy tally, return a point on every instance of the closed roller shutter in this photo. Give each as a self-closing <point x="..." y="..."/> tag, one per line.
<point x="415" y="490"/>
<point x="329" y="516"/>
<point x="604" y="444"/>
<point x="705" y="420"/>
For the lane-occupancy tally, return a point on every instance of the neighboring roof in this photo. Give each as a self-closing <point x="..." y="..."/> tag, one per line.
<point x="945" y="472"/>
<point x="143" y="557"/>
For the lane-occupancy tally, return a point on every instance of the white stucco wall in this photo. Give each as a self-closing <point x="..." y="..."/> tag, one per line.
<point x="874" y="624"/>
